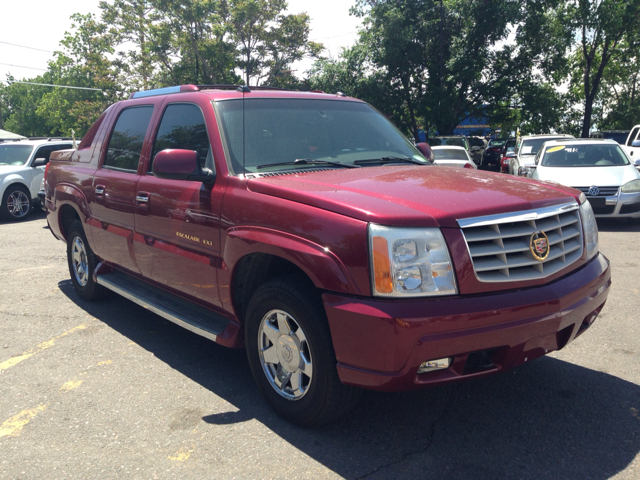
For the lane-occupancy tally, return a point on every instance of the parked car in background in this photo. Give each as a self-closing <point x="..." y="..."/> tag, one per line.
<point x="478" y="144"/>
<point x="452" y="156"/>
<point x="619" y="136"/>
<point x="598" y="168"/>
<point x="492" y="155"/>
<point x="22" y="165"/>
<point x="508" y="147"/>
<point x="632" y="143"/>
<point x="457" y="140"/>
<point x="527" y="148"/>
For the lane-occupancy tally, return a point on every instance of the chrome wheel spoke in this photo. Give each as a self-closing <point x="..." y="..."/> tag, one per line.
<point x="283" y="324"/>
<point x="79" y="261"/>
<point x="271" y="333"/>
<point x="296" y="384"/>
<point x="305" y="365"/>
<point x="270" y="355"/>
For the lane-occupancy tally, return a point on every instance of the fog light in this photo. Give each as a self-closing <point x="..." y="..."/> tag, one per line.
<point x="432" y="365"/>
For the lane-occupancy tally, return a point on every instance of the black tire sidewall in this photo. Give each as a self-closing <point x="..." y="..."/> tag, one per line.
<point x="306" y="410"/>
<point x="5" y="208"/>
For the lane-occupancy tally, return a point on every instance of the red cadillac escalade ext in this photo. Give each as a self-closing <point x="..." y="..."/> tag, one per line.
<point x="307" y="229"/>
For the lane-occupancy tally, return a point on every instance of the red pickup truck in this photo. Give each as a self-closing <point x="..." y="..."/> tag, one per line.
<point x="304" y="227"/>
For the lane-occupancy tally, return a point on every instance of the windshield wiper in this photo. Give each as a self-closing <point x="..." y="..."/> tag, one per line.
<point x="308" y="161"/>
<point x="391" y="160"/>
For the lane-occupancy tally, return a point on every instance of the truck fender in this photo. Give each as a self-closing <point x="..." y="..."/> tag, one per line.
<point x="320" y="264"/>
<point x="66" y="194"/>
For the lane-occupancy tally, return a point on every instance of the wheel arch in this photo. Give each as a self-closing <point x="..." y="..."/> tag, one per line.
<point x="256" y="255"/>
<point x="71" y="204"/>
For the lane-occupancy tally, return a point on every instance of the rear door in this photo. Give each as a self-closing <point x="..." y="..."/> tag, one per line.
<point x="177" y="240"/>
<point x="113" y="194"/>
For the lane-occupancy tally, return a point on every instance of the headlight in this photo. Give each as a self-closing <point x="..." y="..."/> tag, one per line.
<point x="410" y="262"/>
<point x="590" y="229"/>
<point x="631" y="187"/>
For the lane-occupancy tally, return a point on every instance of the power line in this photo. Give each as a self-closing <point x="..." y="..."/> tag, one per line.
<point x="23" y="46"/>
<point x="58" y="86"/>
<point x="20" y="66"/>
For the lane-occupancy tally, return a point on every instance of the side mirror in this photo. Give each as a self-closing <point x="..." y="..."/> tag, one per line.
<point x="181" y="165"/>
<point x="39" y="162"/>
<point x="511" y="155"/>
<point x="635" y="143"/>
<point x="637" y="162"/>
<point x="425" y="149"/>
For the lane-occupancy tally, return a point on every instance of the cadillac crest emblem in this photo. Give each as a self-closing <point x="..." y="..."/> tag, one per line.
<point x="539" y="245"/>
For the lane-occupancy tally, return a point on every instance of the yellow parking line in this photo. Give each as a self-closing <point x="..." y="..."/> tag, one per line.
<point x="43" y="346"/>
<point x="15" y="424"/>
<point x="181" y="455"/>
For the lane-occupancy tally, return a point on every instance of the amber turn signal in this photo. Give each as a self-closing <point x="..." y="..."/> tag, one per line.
<point x="382" y="265"/>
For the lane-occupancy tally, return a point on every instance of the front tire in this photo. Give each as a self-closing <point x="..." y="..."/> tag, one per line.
<point x="291" y="355"/>
<point x="82" y="263"/>
<point x="16" y="203"/>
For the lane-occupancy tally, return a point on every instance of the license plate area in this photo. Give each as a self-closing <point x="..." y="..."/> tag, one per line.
<point x="597" y="202"/>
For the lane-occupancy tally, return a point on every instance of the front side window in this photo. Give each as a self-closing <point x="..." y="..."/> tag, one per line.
<point x="267" y="131"/>
<point x="532" y="145"/>
<point x="632" y="137"/>
<point x="182" y="127"/>
<point x="598" y="155"/>
<point x="127" y="138"/>
<point x="15" y="154"/>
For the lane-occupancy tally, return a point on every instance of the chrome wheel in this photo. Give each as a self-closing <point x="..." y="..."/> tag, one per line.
<point x="79" y="261"/>
<point x="285" y="355"/>
<point x="18" y="204"/>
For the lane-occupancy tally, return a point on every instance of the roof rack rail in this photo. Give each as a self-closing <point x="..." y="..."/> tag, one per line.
<point x="244" y="88"/>
<point x="196" y="88"/>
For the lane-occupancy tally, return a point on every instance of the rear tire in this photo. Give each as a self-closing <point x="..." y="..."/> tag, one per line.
<point x="82" y="263"/>
<point x="16" y="203"/>
<point x="291" y="354"/>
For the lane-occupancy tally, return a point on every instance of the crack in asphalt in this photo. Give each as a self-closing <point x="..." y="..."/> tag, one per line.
<point x="423" y="449"/>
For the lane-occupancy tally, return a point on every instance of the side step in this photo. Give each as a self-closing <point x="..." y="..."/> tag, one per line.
<point x="175" y="309"/>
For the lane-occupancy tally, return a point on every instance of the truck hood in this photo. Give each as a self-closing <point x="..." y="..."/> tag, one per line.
<point x="9" y="169"/>
<point x="412" y="196"/>
<point x="588" y="176"/>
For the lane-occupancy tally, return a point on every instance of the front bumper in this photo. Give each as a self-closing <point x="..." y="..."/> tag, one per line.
<point x="624" y="205"/>
<point x="380" y="344"/>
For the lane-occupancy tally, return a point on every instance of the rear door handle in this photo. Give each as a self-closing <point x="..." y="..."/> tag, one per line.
<point x="142" y="199"/>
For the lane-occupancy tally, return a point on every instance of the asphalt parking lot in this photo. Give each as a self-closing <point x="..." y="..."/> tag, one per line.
<point x="109" y="390"/>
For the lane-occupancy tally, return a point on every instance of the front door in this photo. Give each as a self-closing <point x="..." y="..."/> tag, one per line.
<point x="114" y="189"/>
<point x="177" y="240"/>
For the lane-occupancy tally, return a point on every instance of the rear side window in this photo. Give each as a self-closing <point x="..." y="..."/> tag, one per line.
<point x="45" y="152"/>
<point x="125" y="144"/>
<point x="183" y="127"/>
<point x="87" y="140"/>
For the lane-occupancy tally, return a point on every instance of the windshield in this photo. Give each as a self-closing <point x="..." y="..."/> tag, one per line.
<point x="14" y="154"/>
<point x="261" y="132"/>
<point x="584" y="156"/>
<point x="532" y="145"/>
<point x="456" y="141"/>
<point x="449" y="154"/>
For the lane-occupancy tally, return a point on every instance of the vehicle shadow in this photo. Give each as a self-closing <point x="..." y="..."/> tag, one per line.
<point x="618" y="225"/>
<point x="547" y="419"/>
<point x="35" y="215"/>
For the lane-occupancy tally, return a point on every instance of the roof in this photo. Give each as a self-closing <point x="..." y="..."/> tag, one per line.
<point x="5" y="135"/>
<point x="448" y="147"/>
<point x="39" y="141"/>
<point x="561" y="135"/>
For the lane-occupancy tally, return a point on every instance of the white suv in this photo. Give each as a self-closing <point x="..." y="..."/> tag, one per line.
<point x="22" y="165"/>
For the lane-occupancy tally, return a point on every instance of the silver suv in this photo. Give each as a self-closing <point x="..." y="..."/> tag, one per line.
<point x="22" y="164"/>
<point x="527" y="148"/>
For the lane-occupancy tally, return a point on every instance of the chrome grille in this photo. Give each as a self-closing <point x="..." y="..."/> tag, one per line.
<point x="604" y="191"/>
<point x="499" y="245"/>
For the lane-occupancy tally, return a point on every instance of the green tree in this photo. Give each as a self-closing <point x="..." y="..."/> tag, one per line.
<point x="604" y="31"/>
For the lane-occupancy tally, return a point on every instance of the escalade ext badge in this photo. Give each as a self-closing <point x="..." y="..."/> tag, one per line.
<point x="539" y="245"/>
